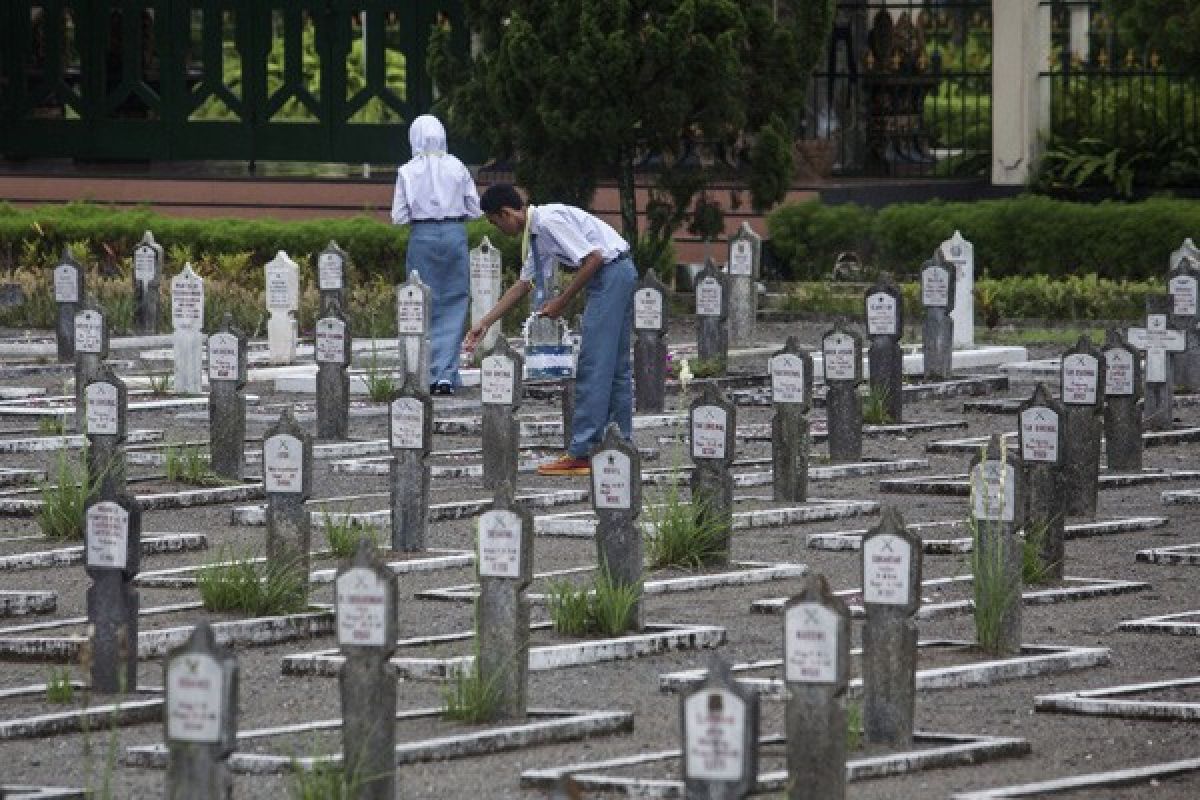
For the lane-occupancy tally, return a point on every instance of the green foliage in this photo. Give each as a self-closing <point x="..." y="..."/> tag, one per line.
<point x="854" y="725"/>
<point x="51" y="426"/>
<point x="238" y="584"/>
<point x="190" y="464"/>
<point x="470" y="698"/>
<point x="1026" y="235"/>
<point x="1034" y="571"/>
<point x="875" y="406"/>
<point x="569" y="607"/>
<point x="64" y="498"/>
<point x="59" y="688"/>
<point x="343" y="534"/>
<point x="323" y="781"/>
<point x="606" y="607"/>
<point x="1168" y="27"/>
<point x="682" y="534"/>
<point x="380" y="383"/>
<point x="160" y="383"/>
<point x="994" y="597"/>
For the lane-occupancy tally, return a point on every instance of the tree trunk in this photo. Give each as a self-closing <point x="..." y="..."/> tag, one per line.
<point x="627" y="192"/>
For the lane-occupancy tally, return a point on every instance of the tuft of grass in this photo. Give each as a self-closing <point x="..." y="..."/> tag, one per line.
<point x="160" y="383"/>
<point x="343" y="535"/>
<point x="875" y="407"/>
<point x="51" y="426"/>
<point x="606" y="607"/>
<point x="682" y="534"/>
<point x="58" y="686"/>
<point x="189" y="464"/>
<point x="854" y="725"/>
<point x="1033" y="570"/>
<point x="470" y="698"/>
<point x="64" y="498"/>
<point x="570" y="608"/>
<point x="380" y="383"/>
<point x="325" y="781"/>
<point x="239" y="584"/>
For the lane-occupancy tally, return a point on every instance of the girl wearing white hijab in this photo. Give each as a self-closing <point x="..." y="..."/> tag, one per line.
<point x="436" y="195"/>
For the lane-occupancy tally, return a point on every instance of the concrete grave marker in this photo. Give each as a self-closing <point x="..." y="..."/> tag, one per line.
<point x="91" y="349"/>
<point x="997" y="511"/>
<point x="885" y="326"/>
<point x="1082" y="381"/>
<point x="1041" y="434"/>
<point x="333" y="350"/>
<point x="68" y="280"/>
<point x="113" y="548"/>
<point x="227" y="360"/>
<point x="365" y="594"/>
<point x="617" y="502"/>
<point x="331" y="277"/>
<point x="720" y="722"/>
<point x="1158" y="339"/>
<point x="937" y="330"/>
<point x="187" y="320"/>
<point x="649" y="345"/>
<point x="500" y="379"/>
<point x="505" y="560"/>
<point x="841" y="352"/>
<point x="287" y="476"/>
<point x="1183" y="284"/>
<point x="410" y="432"/>
<point x="1122" y="406"/>
<point x="712" y="420"/>
<point x="816" y="658"/>
<point x="791" y="393"/>
<point x="413" y="315"/>
<point x="712" y="316"/>
<point x="147" y="278"/>
<point x="201" y="682"/>
<point x="282" y="286"/>
<point x="486" y="287"/>
<point x="1188" y="251"/>
<point x="961" y="253"/>
<point x="891" y="581"/>
<point x="745" y="255"/>
<point x="106" y="403"/>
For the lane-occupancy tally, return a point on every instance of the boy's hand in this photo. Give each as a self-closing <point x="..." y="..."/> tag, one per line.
<point x="472" y="339"/>
<point x="554" y="307"/>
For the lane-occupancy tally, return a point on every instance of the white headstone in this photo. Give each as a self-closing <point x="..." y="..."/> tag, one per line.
<point x="361" y="608"/>
<point x="486" y="287"/>
<point x="330" y="267"/>
<point x="993" y="491"/>
<point x="107" y="532"/>
<point x="1183" y="289"/>
<point x="187" y="300"/>
<point x="1039" y="434"/>
<point x="708" y="432"/>
<point x="935" y="286"/>
<point x="145" y="264"/>
<point x="882" y="317"/>
<point x="497" y="376"/>
<point x="838" y="354"/>
<point x="89" y="331"/>
<point x="195" y="690"/>
<point x="66" y="283"/>
<point x="611" y="480"/>
<point x="647" y="310"/>
<point x="282" y="283"/>
<point x="787" y="378"/>
<point x="410" y="310"/>
<point x="716" y="729"/>
<point x="101" y="399"/>
<point x="331" y="341"/>
<point x="887" y="564"/>
<point x="408" y="423"/>
<point x="741" y="257"/>
<point x="1118" y="372"/>
<point x="1080" y="379"/>
<point x="500" y="544"/>
<point x="283" y="464"/>
<point x="961" y="253"/>
<point x="223" y="357"/>
<point x="810" y="644"/>
<point x="708" y="297"/>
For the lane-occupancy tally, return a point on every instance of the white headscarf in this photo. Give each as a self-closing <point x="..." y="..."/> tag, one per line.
<point x="422" y="175"/>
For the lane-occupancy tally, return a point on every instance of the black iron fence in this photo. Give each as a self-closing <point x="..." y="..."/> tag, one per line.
<point x="905" y="90"/>
<point x="313" y="80"/>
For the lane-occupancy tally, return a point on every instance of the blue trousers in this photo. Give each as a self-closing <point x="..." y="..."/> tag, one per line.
<point x="438" y="251"/>
<point x="603" y="373"/>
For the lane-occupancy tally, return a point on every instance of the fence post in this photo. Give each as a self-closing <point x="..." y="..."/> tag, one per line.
<point x="1016" y="54"/>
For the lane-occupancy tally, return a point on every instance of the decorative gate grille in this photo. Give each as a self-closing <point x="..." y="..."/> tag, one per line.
<point x="309" y="80"/>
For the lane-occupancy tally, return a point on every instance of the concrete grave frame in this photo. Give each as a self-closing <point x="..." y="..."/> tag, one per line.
<point x="1133" y="776"/>
<point x="1114" y="701"/>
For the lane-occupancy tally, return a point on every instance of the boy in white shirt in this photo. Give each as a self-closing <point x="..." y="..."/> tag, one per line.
<point x="599" y="257"/>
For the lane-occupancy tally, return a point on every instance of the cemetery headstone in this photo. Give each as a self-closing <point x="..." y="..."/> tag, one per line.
<point x="720" y="720"/>
<point x="187" y="320"/>
<point x="147" y="279"/>
<point x="1183" y="284"/>
<point x="333" y="350"/>
<point x="961" y="253"/>
<point x="68" y="294"/>
<point x="287" y="479"/>
<point x="885" y="361"/>
<point x="891" y="586"/>
<point x="505" y="563"/>
<point x="649" y="344"/>
<point x="91" y="349"/>
<point x="1122" y="403"/>
<point x="500" y="380"/>
<point x="282" y="277"/>
<point x="617" y="501"/>
<point x="227" y="368"/>
<point x="1158" y="339"/>
<point x="413" y="314"/>
<point x="712" y="420"/>
<point x="816" y="668"/>
<point x="200" y="678"/>
<point x="365" y="597"/>
<point x="841" y="355"/>
<point x="1187" y="250"/>
<point x="332" y="263"/>
<point x="410" y="433"/>
<point x="712" y="316"/>
<point x="937" y="298"/>
<point x="1040" y="433"/>
<point x="791" y="393"/>
<point x="1082" y="394"/>
<point x="113" y="546"/>
<point x="486" y="287"/>
<point x="745" y="257"/>
<point x="997" y="506"/>
<point x="106" y="406"/>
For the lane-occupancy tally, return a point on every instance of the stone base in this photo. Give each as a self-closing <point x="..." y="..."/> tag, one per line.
<point x="143" y="705"/>
<point x="1134" y="776"/>
<point x="1185" y="623"/>
<point x="1110" y="702"/>
<point x="1187" y="554"/>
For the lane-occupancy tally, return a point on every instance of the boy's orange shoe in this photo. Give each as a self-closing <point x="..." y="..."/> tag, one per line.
<point x="567" y="465"/>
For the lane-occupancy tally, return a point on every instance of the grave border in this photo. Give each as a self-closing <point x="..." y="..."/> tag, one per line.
<point x="1105" y="702"/>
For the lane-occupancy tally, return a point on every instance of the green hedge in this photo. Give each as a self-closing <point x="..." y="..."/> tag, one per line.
<point x="1026" y="235"/>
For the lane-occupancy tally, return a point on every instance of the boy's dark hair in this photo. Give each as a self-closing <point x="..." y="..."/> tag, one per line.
<point x="498" y="196"/>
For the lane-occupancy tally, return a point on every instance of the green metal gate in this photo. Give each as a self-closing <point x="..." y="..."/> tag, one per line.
<point x="306" y="80"/>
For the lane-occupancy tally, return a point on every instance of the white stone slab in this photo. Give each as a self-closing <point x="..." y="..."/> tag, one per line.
<point x="1185" y="623"/>
<point x="1186" y="554"/>
<point x="1134" y="776"/>
<point x="1114" y="701"/>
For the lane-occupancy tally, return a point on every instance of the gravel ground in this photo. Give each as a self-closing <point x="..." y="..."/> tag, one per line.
<point x="1062" y="745"/>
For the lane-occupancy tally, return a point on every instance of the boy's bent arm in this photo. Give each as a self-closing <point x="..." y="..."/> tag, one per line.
<point x="505" y="304"/>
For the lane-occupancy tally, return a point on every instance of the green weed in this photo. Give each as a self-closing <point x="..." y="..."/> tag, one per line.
<point x="238" y="584"/>
<point x="682" y="534"/>
<point x="470" y="698"/>
<point x="1034" y="570"/>
<point x="343" y="534"/>
<point x="325" y="781"/>
<point x="64" y="498"/>
<point x="51" y="426"/>
<point x="58" y="686"/>
<point x="606" y="607"/>
<point x="875" y="406"/>
<point x="189" y="464"/>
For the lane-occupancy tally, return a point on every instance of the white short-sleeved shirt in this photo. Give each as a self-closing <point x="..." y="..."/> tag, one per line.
<point x="567" y="235"/>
